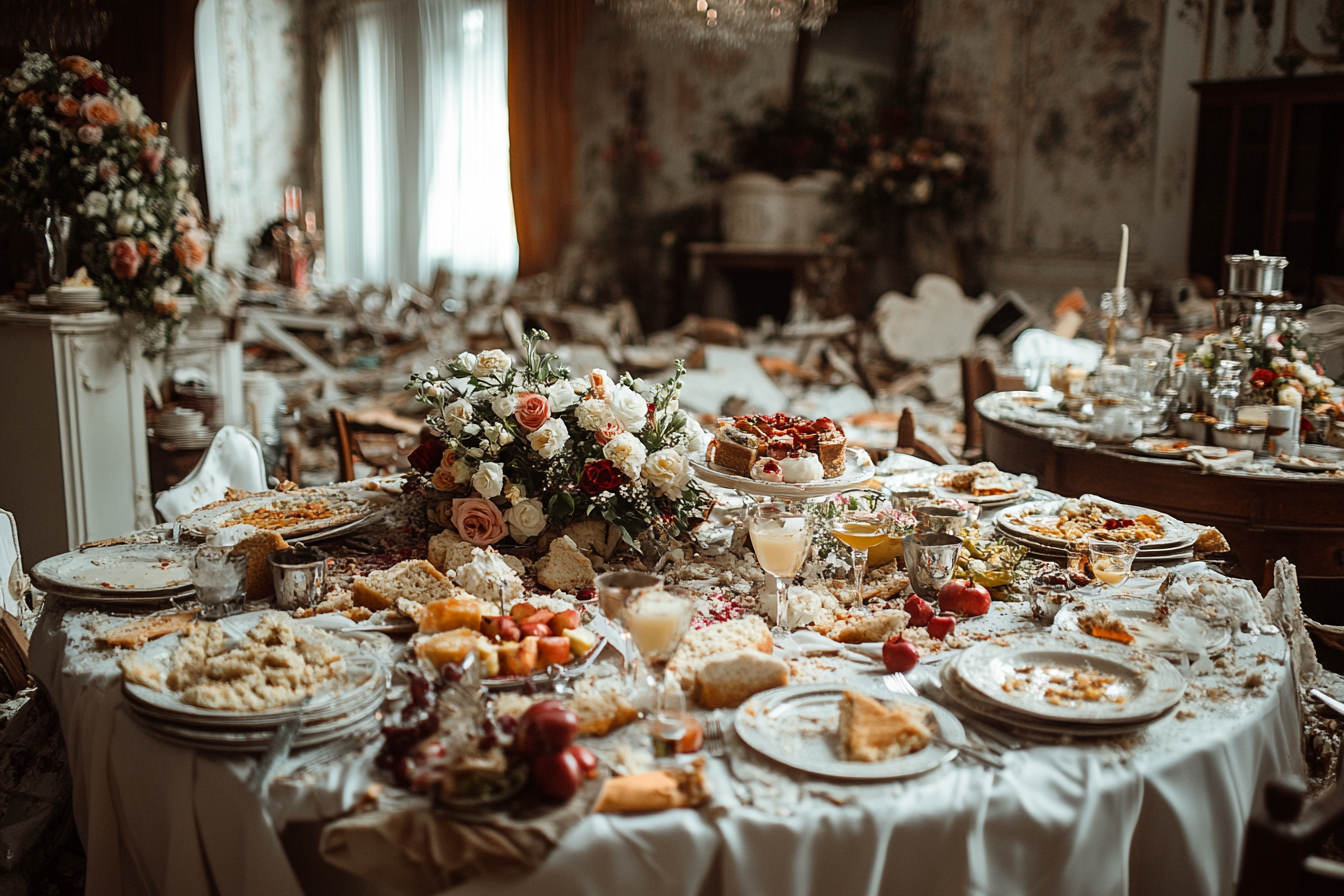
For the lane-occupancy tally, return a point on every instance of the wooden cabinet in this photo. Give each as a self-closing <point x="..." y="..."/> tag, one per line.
<point x="1269" y="175"/>
<point x="73" y="460"/>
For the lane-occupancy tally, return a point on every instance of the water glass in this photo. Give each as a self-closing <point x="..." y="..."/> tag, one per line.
<point x="220" y="578"/>
<point x="1111" y="560"/>
<point x="942" y="518"/>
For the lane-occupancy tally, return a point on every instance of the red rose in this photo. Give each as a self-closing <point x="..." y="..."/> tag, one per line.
<point x="94" y="84"/>
<point x="150" y="159"/>
<point x="125" y="257"/>
<point x="601" y="476"/>
<point x="532" y="411"/>
<point x="1262" y="378"/>
<point x="426" y="458"/>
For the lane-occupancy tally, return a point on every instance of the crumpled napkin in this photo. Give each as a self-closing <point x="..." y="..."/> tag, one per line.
<point x="1235" y="460"/>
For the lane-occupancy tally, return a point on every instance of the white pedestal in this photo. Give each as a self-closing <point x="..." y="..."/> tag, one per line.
<point x="74" y="466"/>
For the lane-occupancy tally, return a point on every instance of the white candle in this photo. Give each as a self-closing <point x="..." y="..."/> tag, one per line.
<point x="1124" y="262"/>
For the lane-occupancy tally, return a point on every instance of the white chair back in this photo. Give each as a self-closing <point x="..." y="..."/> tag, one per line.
<point x="13" y="583"/>
<point x="233" y="460"/>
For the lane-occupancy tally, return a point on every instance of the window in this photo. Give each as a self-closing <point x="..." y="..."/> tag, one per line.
<point x="415" y="142"/>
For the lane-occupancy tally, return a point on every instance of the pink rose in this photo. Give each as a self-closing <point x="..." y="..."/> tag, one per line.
<point x="107" y="169"/>
<point x="150" y="159"/>
<point x="608" y="432"/>
<point x="478" y="521"/>
<point x="90" y="134"/>
<point x="125" y="257"/>
<point x="100" y="111"/>
<point x="532" y="411"/>
<point x="191" y="249"/>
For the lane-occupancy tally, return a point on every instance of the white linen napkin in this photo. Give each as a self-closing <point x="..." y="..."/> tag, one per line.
<point x="1235" y="460"/>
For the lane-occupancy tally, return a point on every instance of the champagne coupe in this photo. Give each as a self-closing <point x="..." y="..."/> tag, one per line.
<point x="658" y="620"/>
<point x="781" y="539"/>
<point x="859" y="530"/>
<point x="614" y="591"/>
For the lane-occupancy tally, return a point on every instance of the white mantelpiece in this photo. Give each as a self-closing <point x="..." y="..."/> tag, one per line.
<point x="74" y="466"/>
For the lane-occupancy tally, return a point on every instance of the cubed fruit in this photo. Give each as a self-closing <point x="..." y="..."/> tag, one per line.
<point x="580" y="641"/>
<point x="501" y="628"/>
<point x="552" y="651"/>
<point x="487" y="655"/>
<point x="447" y="615"/>
<point x="564" y="621"/>
<point x="447" y="647"/>
<point x="521" y="611"/>
<point x="518" y="657"/>
<point x="535" y="630"/>
<point x="542" y="616"/>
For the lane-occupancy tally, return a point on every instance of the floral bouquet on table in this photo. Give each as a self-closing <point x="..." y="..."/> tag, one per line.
<point x="1291" y="381"/>
<point x="75" y="141"/>
<point x="521" y="447"/>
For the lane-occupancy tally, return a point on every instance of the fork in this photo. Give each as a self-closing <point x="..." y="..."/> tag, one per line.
<point x="897" y="683"/>
<point x="714" y="740"/>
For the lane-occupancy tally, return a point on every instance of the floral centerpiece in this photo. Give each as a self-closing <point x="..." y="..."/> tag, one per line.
<point x="518" y="447"/>
<point x="1291" y="381"/>
<point x="75" y="141"/>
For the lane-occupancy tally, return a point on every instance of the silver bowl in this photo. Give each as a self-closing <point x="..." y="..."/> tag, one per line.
<point x="1240" y="436"/>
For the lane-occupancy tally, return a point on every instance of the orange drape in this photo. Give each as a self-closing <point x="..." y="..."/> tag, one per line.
<point x="543" y="45"/>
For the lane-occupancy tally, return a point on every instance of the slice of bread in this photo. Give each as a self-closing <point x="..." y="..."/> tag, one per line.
<point x="600" y="709"/>
<point x="727" y="679"/>
<point x="447" y="551"/>
<point x="871" y="730"/>
<point x="744" y="633"/>
<point x="564" y="568"/>
<point x="138" y="632"/>
<point x="879" y="626"/>
<point x="413" y="580"/>
<point x="259" y="547"/>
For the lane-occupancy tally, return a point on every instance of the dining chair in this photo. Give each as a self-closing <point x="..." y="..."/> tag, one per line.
<point x="909" y="440"/>
<point x="233" y="460"/>
<point x="977" y="379"/>
<point x="1283" y="834"/>
<point x="374" y="443"/>
<point x="12" y="581"/>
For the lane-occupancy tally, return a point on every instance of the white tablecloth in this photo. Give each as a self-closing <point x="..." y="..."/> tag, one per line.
<point x="1162" y="814"/>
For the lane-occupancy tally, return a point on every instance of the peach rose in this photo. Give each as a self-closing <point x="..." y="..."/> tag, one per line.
<point x="67" y="106"/>
<point x="608" y="432"/>
<point x="125" y="257"/>
<point x="30" y="98"/>
<point x="532" y="411"/>
<point x="77" y="64"/>
<point x="598" y="381"/>
<point x="191" y="248"/>
<point x="90" y="134"/>
<point x="100" y="111"/>
<point x="478" y="521"/>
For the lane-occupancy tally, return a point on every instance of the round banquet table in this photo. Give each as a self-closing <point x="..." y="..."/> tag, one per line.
<point x="1162" y="812"/>
<point x="1262" y="517"/>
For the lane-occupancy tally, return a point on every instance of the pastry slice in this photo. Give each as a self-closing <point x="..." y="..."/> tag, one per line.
<point x="873" y="731"/>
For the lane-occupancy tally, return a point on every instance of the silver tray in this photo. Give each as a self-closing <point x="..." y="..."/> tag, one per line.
<point x="796" y="727"/>
<point x="572" y="670"/>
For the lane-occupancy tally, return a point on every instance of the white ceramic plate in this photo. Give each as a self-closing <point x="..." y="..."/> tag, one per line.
<point x="1023" y="675"/>
<point x="343" y="507"/>
<point x="1149" y="632"/>
<point x="1304" y="465"/>
<point x="1172" y="449"/>
<point x="259" y="742"/>
<point x="1025" y="487"/>
<point x="858" y="470"/>
<point x="1017" y="521"/>
<point x="796" y="726"/>
<point x="118" y="571"/>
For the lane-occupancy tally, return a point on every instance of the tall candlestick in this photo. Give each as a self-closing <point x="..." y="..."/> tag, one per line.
<point x="1124" y="262"/>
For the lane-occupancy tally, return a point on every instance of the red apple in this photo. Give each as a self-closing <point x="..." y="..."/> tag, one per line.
<point x="587" y="761"/>
<point x="535" y="629"/>
<point x="553" y="651"/>
<point x="941" y="626"/>
<point x="558" y="775"/>
<point x="899" y="655"/>
<point x="965" y="597"/>
<point x="547" y="727"/>
<point x="564" y="621"/>
<point x="920" y="610"/>
<point x="522" y="611"/>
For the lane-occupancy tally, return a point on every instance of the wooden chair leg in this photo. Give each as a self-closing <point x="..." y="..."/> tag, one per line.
<point x="344" y="447"/>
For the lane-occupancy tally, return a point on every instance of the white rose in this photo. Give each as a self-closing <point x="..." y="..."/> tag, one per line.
<point x="134" y="199"/>
<point x="432" y="390"/>
<point x="467" y="360"/>
<point x="593" y="414"/>
<point x="561" y="396"/>
<point x="178" y="167"/>
<point x="491" y="363"/>
<point x="95" y="204"/>
<point x="629" y="408"/>
<point x="125" y="224"/>
<point x="458" y="414"/>
<point x="627" y="453"/>
<point x="488" y="479"/>
<point x="667" y="471"/>
<point x="504" y="405"/>
<point x="550" y="439"/>
<point x="128" y="104"/>
<point x="696" y="439"/>
<point x="526" y="519"/>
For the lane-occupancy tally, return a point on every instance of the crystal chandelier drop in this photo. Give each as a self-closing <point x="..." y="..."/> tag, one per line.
<point x="734" y="23"/>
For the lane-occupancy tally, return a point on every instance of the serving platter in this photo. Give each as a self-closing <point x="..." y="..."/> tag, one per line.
<point x="796" y="726"/>
<point x="1029" y="675"/>
<point x="570" y="670"/>
<point x="118" y="573"/>
<point x="1026" y="486"/>
<point x="858" y="470"/>
<point x="288" y="514"/>
<point x="1018" y="521"/>
<point x="1305" y="465"/>
<point x="1174" y="449"/>
<point x="1149" y="632"/>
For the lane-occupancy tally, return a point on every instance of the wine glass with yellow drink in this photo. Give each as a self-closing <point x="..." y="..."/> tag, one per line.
<point x="859" y="530"/>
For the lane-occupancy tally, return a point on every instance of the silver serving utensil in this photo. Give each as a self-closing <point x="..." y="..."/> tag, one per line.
<point x="714" y="740"/>
<point x="277" y="752"/>
<point x="899" y="684"/>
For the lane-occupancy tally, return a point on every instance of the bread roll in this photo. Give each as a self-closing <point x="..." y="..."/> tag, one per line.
<point x="724" y="681"/>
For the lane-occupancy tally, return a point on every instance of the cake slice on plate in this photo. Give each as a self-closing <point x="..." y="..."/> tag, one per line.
<point x="873" y="731"/>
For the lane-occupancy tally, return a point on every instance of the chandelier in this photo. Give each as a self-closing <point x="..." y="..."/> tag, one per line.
<point x="735" y="23"/>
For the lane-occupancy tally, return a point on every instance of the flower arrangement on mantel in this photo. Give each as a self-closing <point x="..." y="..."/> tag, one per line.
<point x="521" y="447"/>
<point x="74" y="140"/>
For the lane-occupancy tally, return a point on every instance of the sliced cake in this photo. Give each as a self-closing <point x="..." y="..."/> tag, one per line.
<point x="873" y="731"/>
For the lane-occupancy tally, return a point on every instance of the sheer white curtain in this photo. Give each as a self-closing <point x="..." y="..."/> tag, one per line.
<point x="415" y="142"/>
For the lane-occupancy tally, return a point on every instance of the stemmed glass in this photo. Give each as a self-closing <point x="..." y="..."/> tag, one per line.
<point x="781" y="539"/>
<point x="614" y="591"/>
<point x="859" y="530"/>
<point x="658" y="620"/>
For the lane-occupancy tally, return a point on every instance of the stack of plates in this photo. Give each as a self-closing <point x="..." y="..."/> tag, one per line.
<point x="348" y="706"/>
<point x="1176" y="545"/>
<point x="184" y="427"/>
<point x="75" y="298"/>
<point x="118" y="574"/>
<point x="1019" y="686"/>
